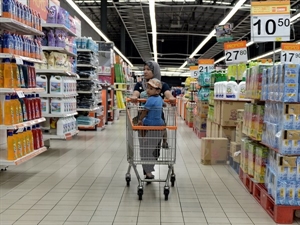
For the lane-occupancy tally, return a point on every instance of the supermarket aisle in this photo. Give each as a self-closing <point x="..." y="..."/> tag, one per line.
<point x="82" y="182"/>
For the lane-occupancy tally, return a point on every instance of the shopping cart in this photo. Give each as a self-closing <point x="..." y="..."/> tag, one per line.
<point x="145" y="146"/>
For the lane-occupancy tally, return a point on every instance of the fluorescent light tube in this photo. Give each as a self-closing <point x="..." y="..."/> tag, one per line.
<point x="212" y="33"/>
<point x="90" y="22"/>
<point x="153" y="26"/>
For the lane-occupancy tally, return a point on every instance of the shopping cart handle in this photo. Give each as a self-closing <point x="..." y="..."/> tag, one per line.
<point x="142" y="100"/>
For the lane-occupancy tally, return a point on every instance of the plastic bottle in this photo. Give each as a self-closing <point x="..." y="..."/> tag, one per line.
<point x="242" y="89"/>
<point x="30" y="139"/>
<point x="23" y="108"/>
<point x="15" y="108"/>
<point x="18" y="103"/>
<point x="40" y="135"/>
<point x="19" y="144"/>
<point x="7" y="9"/>
<point x="1" y="76"/>
<point x="37" y="101"/>
<point x="28" y="107"/>
<point x="21" y="75"/>
<point x="12" y="153"/>
<point x="6" y="43"/>
<point x="56" y="84"/>
<point x="60" y="127"/>
<point x="16" y="75"/>
<point x="24" y="142"/>
<point x="57" y="106"/>
<point x="45" y="105"/>
<point x="8" y="111"/>
<point x="232" y="89"/>
<point x="35" y="138"/>
<point x="32" y="106"/>
<point x="39" y="22"/>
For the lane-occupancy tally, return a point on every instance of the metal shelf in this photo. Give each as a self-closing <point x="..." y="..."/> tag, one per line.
<point x="88" y="110"/>
<point x="22" y="125"/>
<point x="27" y="59"/>
<point x="53" y="71"/>
<point x="25" y="90"/>
<point x="18" y="161"/>
<point x="87" y="92"/>
<point x="58" y="95"/>
<point x="84" y="50"/>
<point x="86" y="65"/>
<point x="59" y="49"/>
<point x="20" y="28"/>
<point x="60" y="26"/>
<point x="67" y="136"/>
<point x="232" y="100"/>
<point x="60" y="115"/>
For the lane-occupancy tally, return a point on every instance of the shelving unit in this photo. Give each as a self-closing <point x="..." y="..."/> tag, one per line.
<point x="19" y="28"/>
<point x="53" y="118"/>
<point x="88" y="114"/>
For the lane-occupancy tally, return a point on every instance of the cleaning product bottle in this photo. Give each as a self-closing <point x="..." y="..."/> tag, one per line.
<point x="21" y="75"/>
<point x="30" y="138"/>
<point x="24" y="142"/>
<point x="36" y="139"/>
<point x="19" y="144"/>
<point x="40" y="135"/>
<point x="12" y="153"/>
<point x="16" y="75"/>
<point x="45" y="105"/>
<point x="16" y="109"/>
<point x="231" y="89"/>
<point x="242" y="89"/>
<point x="1" y="76"/>
<point x="7" y="73"/>
<point x="23" y="109"/>
<point x="28" y="107"/>
<point x="42" y="82"/>
<point x="55" y="84"/>
<point x="20" y="111"/>
<point x="7" y="9"/>
<point x="60" y="126"/>
<point x="57" y="105"/>
<point x="8" y="111"/>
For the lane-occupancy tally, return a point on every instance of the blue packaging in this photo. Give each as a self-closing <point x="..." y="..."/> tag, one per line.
<point x="290" y="93"/>
<point x="298" y="169"/>
<point x="282" y="173"/>
<point x="291" y="174"/>
<point x="297" y="194"/>
<point x="288" y="122"/>
<point x="290" y="193"/>
<point x="279" y="193"/>
<point x="295" y="147"/>
<point x="291" y="73"/>
<point x="285" y="147"/>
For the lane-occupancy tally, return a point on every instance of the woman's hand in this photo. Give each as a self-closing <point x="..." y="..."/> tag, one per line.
<point x="133" y="99"/>
<point x="172" y="101"/>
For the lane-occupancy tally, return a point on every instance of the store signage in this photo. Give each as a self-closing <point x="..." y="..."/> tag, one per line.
<point x="206" y="65"/>
<point x="223" y="32"/>
<point x="235" y="52"/>
<point x="40" y="6"/>
<point x="290" y="53"/>
<point x="194" y="71"/>
<point x="270" y="21"/>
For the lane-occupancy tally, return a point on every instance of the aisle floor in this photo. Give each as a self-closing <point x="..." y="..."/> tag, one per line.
<point x="82" y="182"/>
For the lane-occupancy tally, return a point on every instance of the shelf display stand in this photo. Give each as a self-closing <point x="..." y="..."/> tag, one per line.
<point x="58" y="79"/>
<point x="20" y="111"/>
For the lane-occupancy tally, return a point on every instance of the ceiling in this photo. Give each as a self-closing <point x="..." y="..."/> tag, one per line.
<point x="181" y="26"/>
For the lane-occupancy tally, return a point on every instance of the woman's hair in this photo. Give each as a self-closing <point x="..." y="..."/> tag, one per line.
<point x="154" y="67"/>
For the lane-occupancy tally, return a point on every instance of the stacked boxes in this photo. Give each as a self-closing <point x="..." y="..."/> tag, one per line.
<point x="283" y="178"/>
<point x="261" y="158"/>
<point x="201" y="115"/>
<point x="213" y="151"/>
<point x="254" y="120"/>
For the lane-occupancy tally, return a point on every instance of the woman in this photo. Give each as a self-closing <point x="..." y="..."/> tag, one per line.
<point x="149" y="144"/>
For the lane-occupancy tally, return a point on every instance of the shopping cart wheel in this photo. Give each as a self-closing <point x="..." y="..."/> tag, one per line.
<point x="166" y="192"/>
<point x="140" y="192"/>
<point x="128" y="179"/>
<point x="173" y="178"/>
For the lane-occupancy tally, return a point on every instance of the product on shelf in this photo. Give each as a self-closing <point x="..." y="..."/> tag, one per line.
<point x="63" y="126"/>
<point x="254" y="120"/>
<point x="86" y="43"/>
<point x="62" y="105"/>
<point x="21" y="13"/>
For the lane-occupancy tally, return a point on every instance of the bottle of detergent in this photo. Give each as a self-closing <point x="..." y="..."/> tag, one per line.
<point x="42" y="82"/>
<point x="242" y="89"/>
<point x="232" y="89"/>
<point x="56" y="85"/>
<point x="8" y="111"/>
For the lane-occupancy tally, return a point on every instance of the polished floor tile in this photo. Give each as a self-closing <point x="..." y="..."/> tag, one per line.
<point x="82" y="182"/>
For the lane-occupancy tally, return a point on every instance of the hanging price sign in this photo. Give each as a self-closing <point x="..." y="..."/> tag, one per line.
<point x="290" y="53"/>
<point x="235" y="52"/>
<point x="194" y="71"/>
<point x="206" y="65"/>
<point x="270" y="21"/>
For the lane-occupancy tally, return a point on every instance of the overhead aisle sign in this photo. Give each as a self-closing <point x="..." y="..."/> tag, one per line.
<point x="194" y="71"/>
<point x="290" y="53"/>
<point x="206" y="65"/>
<point x="235" y="52"/>
<point x="270" y="21"/>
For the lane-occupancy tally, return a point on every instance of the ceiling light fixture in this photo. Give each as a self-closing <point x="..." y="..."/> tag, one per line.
<point x="212" y="33"/>
<point x="153" y="26"/>
<point x="90" y="22"/>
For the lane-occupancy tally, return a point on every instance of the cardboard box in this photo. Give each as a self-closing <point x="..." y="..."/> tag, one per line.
<point x="237" y="158"/>
<point x="213" y="151"/>
<point x="215" y="130"/>
<point x="217" y="111"/>
<point x="229" y="113"/>
<point x="202" y="106"/>
<point x="234" y="147"/>
<point x="227" y="132"/>
<point x="208" y="128"/>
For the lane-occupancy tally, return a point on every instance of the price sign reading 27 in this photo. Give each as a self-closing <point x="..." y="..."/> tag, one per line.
<point x="290" y="53"/>
<point x="235" y="52"/>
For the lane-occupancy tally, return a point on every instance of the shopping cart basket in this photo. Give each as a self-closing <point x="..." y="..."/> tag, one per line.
<point x="144" y="146"/>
